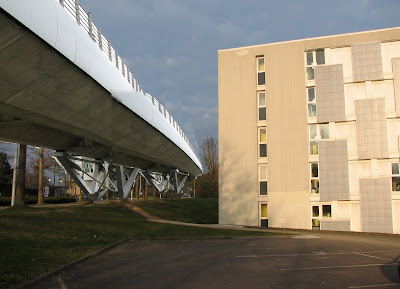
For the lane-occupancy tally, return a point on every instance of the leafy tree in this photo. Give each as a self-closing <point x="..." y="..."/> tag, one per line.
<point x="6" y="173"/>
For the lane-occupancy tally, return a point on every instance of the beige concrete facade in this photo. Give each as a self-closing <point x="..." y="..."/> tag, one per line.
<point x="289" y="126"/>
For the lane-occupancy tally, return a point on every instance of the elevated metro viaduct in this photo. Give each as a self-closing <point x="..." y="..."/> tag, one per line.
<point x="64" y="87"/>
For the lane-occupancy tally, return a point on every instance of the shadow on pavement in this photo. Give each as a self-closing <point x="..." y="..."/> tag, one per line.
<point x="391" y="270"/>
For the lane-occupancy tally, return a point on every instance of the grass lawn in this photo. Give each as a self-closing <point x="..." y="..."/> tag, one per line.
<point x="200" y="211"/>
<point x="34" y="241"/>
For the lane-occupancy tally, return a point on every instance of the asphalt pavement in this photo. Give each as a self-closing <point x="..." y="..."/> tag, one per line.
<point x="309" y="260"/>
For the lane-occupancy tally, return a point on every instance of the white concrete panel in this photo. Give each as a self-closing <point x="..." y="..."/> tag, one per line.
<point x="384" y="168"/>
<point x="364" y="169"/>
<point x="66" y="39"/>
<point x="147" y="112"/>
<point x="344" y="210"/>
<point x="343" y="56"/>
<point x="385" y="89"/>
<point x="393" y="139"/>
<point x="352" y="92"/>
<point x="390" y="50"/>
<point x="355" y="216"/>
<point x="354" y="177"/>
<point x="22" y="11"/>
<point x="352" y="140"/>
<point x="44" y="20"/>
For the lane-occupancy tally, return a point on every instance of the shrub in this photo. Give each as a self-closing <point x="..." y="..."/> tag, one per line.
<point x="59" y="200"/>
<point x="30" y="200"/>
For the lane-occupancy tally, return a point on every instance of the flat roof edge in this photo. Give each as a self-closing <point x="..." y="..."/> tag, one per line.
<point x="311" y="38"/>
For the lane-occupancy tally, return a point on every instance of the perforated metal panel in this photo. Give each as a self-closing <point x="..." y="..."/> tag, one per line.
<point x="329" y="86"/>
<point x="333" y="171"/>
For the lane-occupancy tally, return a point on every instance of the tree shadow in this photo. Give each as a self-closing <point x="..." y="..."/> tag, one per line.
<point x="391" y="270"/>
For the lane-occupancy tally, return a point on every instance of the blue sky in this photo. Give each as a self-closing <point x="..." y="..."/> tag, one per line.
<point x="172" y="46"/>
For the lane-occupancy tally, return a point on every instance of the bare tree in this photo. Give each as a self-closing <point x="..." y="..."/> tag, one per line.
<point x="208" y="182"/>
<point x="20" y="189"/>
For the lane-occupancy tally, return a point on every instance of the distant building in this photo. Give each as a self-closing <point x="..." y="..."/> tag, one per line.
<point x="309" y="133"/>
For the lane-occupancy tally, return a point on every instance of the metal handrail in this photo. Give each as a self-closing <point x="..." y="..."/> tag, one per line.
<point x="84" y="20"/>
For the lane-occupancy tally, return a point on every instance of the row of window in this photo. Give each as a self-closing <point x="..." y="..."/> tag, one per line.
<point x="318" y="212"/>
<point x="314" y="175"/>
<point x="314" y="58"/>
<point x="262" y="131"/>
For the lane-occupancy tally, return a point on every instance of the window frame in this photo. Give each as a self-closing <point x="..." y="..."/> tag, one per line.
<point x="310" y="66"/>
<point x="318" y="137"/>
<point x="261" y="217"/>
<point x="261" y="106"/>
<point x="316" y="220"/>
<point x="262" y="143"/>
<point x="262" y="178"/>
<point x="311" y="103"/>
<point x="394" y="175"/>
<point x="314" y="179"/>
<point x="260" y="71"/>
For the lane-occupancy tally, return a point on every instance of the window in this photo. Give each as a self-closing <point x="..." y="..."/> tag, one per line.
<point x="395" y="177"/>
<point x="314" y="178"/>
<point x="312" y="104"/>
<point x="263" y="188"/>
<point x="264" y="215"/>
<point x="262" y="108"/>
<point x="314" y="58"/>
<point x="317" y="132"/>
<point x="315" y="218"/>
<point x="260" y="71"/>
<point x="326" y="211"/>
<point x="262" y="142"/>
<point x="263" y="177"/>
<point x="316" y="211"/>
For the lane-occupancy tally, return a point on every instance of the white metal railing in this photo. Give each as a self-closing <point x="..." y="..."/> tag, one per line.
<point x="84" y="20"/>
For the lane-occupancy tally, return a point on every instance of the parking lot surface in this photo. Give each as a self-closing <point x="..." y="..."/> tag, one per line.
<point x="309" y="260"/>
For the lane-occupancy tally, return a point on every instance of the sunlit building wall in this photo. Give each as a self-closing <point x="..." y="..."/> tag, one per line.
<point x="309" y="133"/>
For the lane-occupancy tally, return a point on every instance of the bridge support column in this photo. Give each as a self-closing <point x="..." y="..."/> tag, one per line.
<point x="126" y="178"/>
<point x="164" y="183"/>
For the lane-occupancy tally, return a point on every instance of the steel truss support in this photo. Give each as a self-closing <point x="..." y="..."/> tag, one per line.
<point x="173" y="181"/>
<point x="105" y="176"/>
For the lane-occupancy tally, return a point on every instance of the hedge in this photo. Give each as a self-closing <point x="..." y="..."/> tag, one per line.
<point x="30" y="200"/>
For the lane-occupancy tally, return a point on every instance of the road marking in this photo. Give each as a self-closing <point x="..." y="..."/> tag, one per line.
<point x="305" y="237"/>
<point x="61" y="281"/>
<point x="372" y="256"/>
<point x="372" y="286"/>
<point x="335" y="267"/>
<point x="322" y="253"/>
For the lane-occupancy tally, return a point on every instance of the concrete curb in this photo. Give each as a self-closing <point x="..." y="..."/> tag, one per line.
<point x="59" y="270"/>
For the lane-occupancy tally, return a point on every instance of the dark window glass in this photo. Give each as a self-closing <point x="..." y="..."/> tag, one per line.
<point x="395" y="168"/>
<point x="310" y="73"/>
<point x="263" y="150"/>
<point x="314" y="170"/>
<point x="395" y="184"/>
<point x="264" y="223"/>
<point x="261" y="78"/>
<point x="309" y="58"/>
<point x="311" y="94"/>
<point x="263" y="188"/>
<point x="320" y="57"/>
<point x="262" y="113"/>
<point x="315" y="211"/>
<point x="326" y="210"/>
